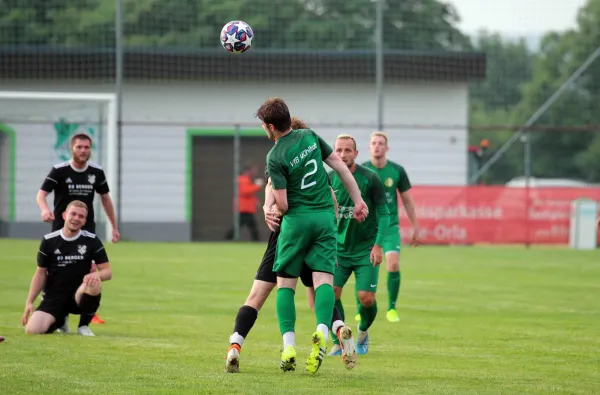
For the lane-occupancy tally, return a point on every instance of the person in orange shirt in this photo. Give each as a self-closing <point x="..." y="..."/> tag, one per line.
<point x="248" y="187"/>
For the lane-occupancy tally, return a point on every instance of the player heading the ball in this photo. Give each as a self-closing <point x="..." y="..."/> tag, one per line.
<point x="308" y="229"/>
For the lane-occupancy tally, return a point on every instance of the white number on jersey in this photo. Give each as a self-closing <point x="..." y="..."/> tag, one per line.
<point x="313" y="163"/>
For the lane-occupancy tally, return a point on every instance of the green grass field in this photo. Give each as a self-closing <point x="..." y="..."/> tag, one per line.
<point x="474" y="321"/>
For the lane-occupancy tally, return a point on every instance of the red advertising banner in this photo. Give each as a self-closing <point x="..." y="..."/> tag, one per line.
<point x="493" y="214"/>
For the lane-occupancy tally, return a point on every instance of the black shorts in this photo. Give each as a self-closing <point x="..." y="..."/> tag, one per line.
<point x="265" y="270"/>
<point x="59" y="223"/>
<point x="58" y="306"/>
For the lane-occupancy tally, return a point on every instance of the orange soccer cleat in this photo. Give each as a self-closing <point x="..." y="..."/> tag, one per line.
<point x="97" y="320"/>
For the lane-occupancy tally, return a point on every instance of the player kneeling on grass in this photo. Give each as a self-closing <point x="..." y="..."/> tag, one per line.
<point x="64" y="262"/>
<point x="359" y="247"/>
<point x="265" y="281"/>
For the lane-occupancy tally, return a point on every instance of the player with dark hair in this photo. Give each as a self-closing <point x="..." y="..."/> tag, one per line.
<point x="264" y="282"/>
<point x="308" y="229"/>
<point x="77" y="179"/>
<point x="359" y="248"/>
<point x="64" y="272"/>
<point x="395" y="180"/>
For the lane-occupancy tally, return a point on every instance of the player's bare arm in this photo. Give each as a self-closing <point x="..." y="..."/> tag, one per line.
<point x="383" y="224"/>
<point x="36" y="286"/>
<point x="48" y="186"/>
<point x="377" y="192"/>
<point x="104" y="273"/>
<point x="109" y="208"/>
<point x="335" y="203"/>
<point x="281" y="200"/>
<point x="360" y="210"/>
<point x="272" y="217"/>
<point x="409" y="206"/>
<point x="47" y="214"/>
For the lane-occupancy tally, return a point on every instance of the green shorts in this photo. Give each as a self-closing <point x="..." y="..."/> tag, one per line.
<point x="392" y="243"/>
<point x="306" y="238"/>
<point x="365" y="273"/>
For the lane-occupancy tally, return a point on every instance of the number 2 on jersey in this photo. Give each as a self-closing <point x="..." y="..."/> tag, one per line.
<point x="313" y="164"/>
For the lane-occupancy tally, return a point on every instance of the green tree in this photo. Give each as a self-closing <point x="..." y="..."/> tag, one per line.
<point x="492" y="101"/>
<point x="559" y="153"/>
<point x="565" y="153"/>
<point x="57" y="22"/>
<point x="509" y="66"/>
<point x="195" y="24"/>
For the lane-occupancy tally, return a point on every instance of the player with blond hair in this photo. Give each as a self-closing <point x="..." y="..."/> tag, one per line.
<point x="64" y="263"/>
<point x="395" y="181"/>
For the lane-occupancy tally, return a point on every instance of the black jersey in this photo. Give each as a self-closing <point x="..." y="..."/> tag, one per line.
<point x="69" y="183"/>
<point x="68" y="260"/>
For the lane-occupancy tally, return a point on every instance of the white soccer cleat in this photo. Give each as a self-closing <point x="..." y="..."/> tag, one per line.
<point x="85" y="331"/>
<point x="348" y="350"/>
<point x="65" y="327"/>
<point x="233" y="360"/>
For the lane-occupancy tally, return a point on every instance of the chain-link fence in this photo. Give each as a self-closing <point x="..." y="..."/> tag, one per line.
<point x="448" y="100"/>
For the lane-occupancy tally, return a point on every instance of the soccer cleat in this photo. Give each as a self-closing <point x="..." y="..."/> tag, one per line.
<point x="362" y="343"/>
<point x="65" y="327"/>
<point x="233" y="359"/>
<point x="319" y="348"/>
<point x="97" y="320"/>
<point x="357" y="317"/>
<point x="348" y="349"/>
<point x="392" y="316"/>
<point x="85" y="331"/>
<point x="288" y="359"/>
<point x="336" y="351"/>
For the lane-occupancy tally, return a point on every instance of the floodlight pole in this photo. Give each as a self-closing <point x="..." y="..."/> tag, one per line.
<point x="119" y="106"/>
<point x="379" y="61"/>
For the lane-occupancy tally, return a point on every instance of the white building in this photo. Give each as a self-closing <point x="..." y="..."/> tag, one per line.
<point x="180" y="112"/>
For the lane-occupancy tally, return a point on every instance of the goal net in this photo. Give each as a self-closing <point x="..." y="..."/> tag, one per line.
<point x="35" y="133"/>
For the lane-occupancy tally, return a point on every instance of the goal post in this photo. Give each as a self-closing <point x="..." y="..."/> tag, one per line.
<point x="46" y="111"/>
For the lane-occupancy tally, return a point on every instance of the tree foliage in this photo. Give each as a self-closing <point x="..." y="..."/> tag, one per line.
<point x="518" y="84"/>
<point x="195" y="24"/>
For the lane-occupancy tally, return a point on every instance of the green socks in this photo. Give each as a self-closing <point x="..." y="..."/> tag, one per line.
<point x="393" y="286"/>
<point x="286" y="310"/>
<point x="367" y="316"/>
<point x="324" y="302"/>
<point x="340" y="307"/>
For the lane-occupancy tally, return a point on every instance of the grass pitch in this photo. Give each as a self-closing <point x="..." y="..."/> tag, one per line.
<point x="473" y="321"/>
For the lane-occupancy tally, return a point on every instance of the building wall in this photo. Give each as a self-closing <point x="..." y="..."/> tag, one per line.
<point x="429" y="137"/>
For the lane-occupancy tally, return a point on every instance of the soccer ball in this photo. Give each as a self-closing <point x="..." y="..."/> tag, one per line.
<point x="236" y="37"/>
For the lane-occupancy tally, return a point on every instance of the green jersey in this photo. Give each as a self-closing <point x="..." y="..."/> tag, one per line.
<point x="394" y="179"/>
<point x="357" y="239"/>
<point x="295" y="163"/>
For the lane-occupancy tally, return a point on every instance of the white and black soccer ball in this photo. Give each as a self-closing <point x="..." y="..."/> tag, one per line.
<point x="236" y="37"/>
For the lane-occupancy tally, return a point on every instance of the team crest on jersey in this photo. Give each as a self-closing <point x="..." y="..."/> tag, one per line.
<point x="92" y="179"/>
<point x="389" y="182"/>
<point x="81" y="249"/>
